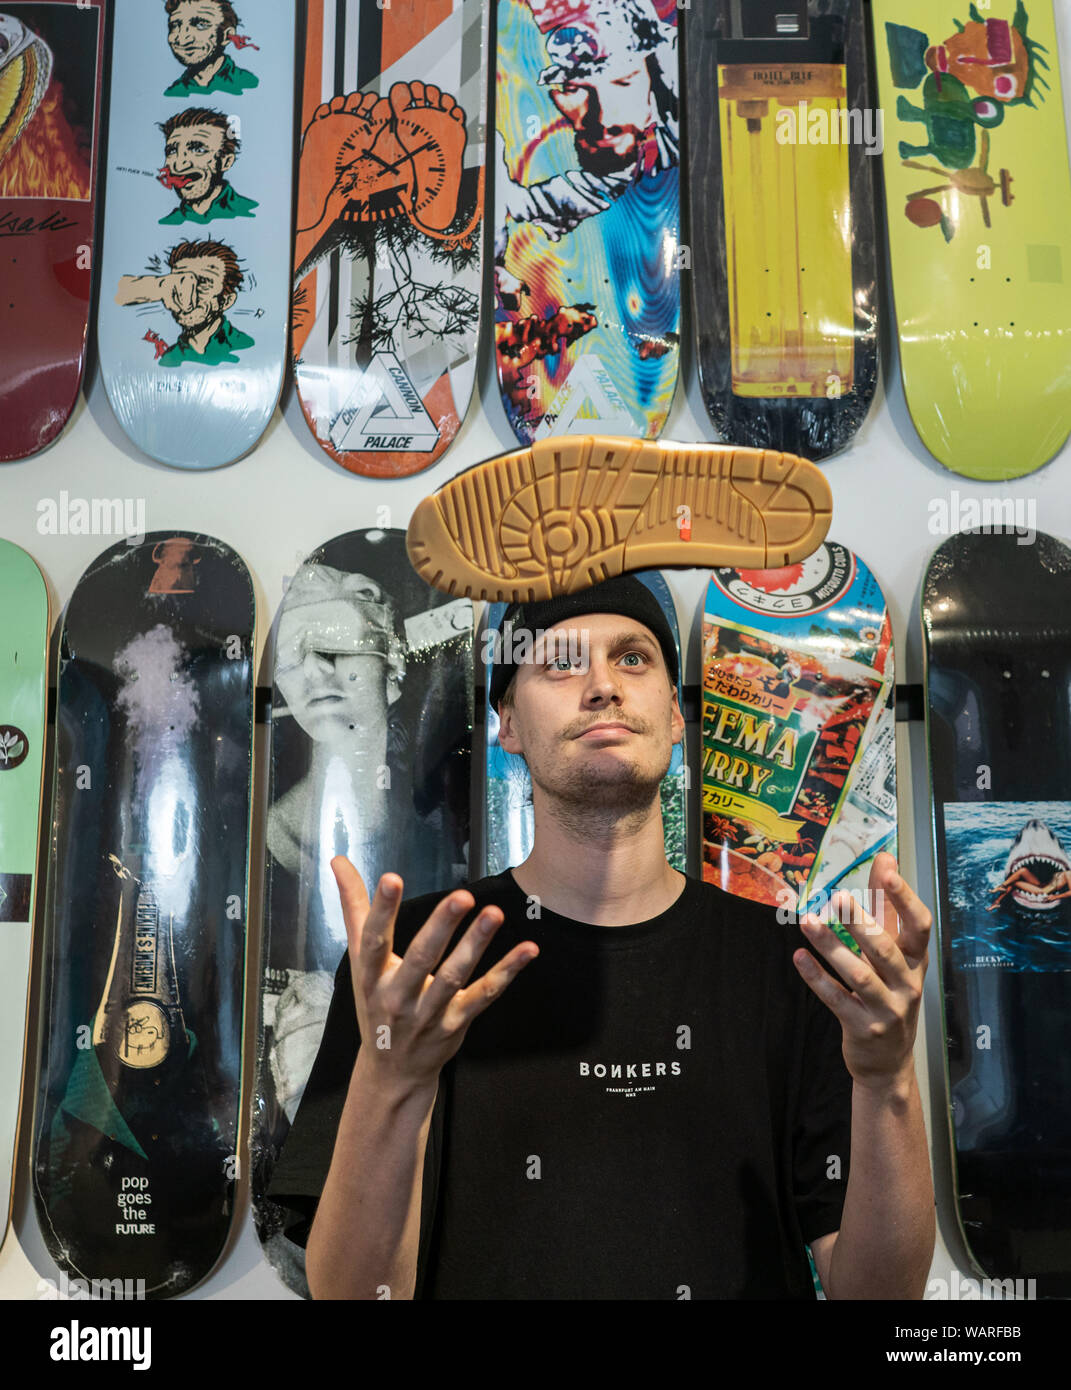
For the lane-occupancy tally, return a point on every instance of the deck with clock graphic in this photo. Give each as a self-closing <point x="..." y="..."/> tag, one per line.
<point x="387" y="256"/>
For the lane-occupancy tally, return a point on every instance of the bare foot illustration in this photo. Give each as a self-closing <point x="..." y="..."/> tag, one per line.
<point x="372" y="159"/>
<point x="325" y="185"/>
<point x="430" y="130"/>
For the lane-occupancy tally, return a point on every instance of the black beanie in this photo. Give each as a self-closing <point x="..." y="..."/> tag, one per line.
<point x="625" y="594"/>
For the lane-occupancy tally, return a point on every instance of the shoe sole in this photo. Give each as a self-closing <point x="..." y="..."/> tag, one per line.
<point x="568" y="513"/>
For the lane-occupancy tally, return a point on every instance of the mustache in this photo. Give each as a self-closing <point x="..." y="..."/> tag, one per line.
<point x="581" y="726"/>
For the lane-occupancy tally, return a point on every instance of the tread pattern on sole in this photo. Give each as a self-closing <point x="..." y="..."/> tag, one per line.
<point x="570" y="512"/>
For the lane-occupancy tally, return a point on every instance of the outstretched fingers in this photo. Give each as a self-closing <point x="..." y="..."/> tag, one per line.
<point x="480" y="995"/>
<point x="456" y="970"/>
<point x="369" y="925"/>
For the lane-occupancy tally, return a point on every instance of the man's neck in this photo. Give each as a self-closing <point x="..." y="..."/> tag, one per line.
<point x="612" y="874"/>
<point x="202" y="76"/>
<point x="200" y="340"/>
<point x="215" y="192"/>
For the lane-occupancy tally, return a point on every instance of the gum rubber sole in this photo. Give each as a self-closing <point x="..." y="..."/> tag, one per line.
<point x="568" y="513"/>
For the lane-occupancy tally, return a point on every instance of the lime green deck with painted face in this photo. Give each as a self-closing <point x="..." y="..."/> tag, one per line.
<point x="23" y="671"/>
<point x="978" y="201"/>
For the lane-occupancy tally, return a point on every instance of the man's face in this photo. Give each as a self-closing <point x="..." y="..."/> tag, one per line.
<point x="194" y="154"/>
<point x="601" y="736"/>
<point x="331" y="668"/>
<point x="195" y="32"/>
<point x="602" y="87"/>
<point x="210" y="302"/>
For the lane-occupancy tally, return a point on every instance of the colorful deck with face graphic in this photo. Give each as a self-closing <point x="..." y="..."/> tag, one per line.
<point x="387" y="262"/>
<point x="997" y="639"/>
<point x="137" y="1116"/>
<point x="370" y="757"/>
<point x="587" y="216"/>
<point x="195" y="274"/>
<point x="799" y="730"/>
<point x="51" y="59"/>
<point x="979" y="202"/>
<point x="24" y="632"/>
<point x="509" y="824"/>
<point x="782" y="137"/>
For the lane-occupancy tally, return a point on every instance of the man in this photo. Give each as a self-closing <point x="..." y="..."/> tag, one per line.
<point x="613" y="75"/>
<point x="663" y="1106"/>
<point x="202" y="283"/>
<point x="199" y="149"/>
<point x="198" y="32"/>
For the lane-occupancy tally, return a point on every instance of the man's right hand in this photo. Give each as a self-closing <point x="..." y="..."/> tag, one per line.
<point x="413" y="1017"/>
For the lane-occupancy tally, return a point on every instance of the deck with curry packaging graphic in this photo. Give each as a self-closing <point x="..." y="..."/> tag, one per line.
<point x="978" y="198"/>
<point x="799" y="759"/>
<point x="51" y="61"/>
<point x="387" y="263"/>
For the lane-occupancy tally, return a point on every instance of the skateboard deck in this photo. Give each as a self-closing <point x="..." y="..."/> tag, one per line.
<point x="51" y="60"/>
<point x="569" y="513"/>
<point x="509" y="831"/>
<point x="388" y="256"/>
<point x="136" y="1130"/>
<point x="997" y="644"/>
<point x="799" y="730"/>
<point x="979" y="202"/>
<point x="587" y="216"/>
<point x="195" y="276"/>
<point x="784" y="244"/>
<point x="24" y="633"/>
<point x="370" y="757"/>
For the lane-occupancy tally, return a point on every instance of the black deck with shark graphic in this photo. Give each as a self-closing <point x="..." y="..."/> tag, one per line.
<point x="996" y="614"/>
<point x="136" y="1130"/>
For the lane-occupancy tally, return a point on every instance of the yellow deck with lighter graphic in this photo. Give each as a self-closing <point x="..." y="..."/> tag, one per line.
<point x="788" y="229"/>
<point x="978" y="199"/>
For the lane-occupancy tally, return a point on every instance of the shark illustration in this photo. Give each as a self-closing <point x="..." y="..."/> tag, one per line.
<point x="1037" y="871"/>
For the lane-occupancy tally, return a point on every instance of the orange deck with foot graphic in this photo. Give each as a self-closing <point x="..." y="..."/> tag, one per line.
<point x="387" y="261"/>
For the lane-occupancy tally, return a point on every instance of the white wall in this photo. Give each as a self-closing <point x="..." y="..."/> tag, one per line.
<point x="287" y="497"/>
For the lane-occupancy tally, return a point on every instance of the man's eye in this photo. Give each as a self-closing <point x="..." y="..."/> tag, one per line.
<point x="560" y="663"/>
<point x="635" y="658"/>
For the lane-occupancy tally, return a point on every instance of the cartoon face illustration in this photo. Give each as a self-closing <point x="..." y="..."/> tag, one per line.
<point x="199" y="151"/>
<point x="207" y="279"/>
<point x="198" y="32"/>
<point x="202" y="283"/>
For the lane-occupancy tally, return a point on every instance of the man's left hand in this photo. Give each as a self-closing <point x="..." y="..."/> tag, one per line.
<point x="879" y="1011"/>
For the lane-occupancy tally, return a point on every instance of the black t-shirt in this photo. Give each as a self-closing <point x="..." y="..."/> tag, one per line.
<point x="650" y="1111"/>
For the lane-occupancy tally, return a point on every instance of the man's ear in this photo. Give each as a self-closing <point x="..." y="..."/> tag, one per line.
<point x="226" y="162"/>
<point x="227" y="301"/>
<point x="227" y="35"/>
<point x="677" y="723"/>
<point x="507" y="730"/>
